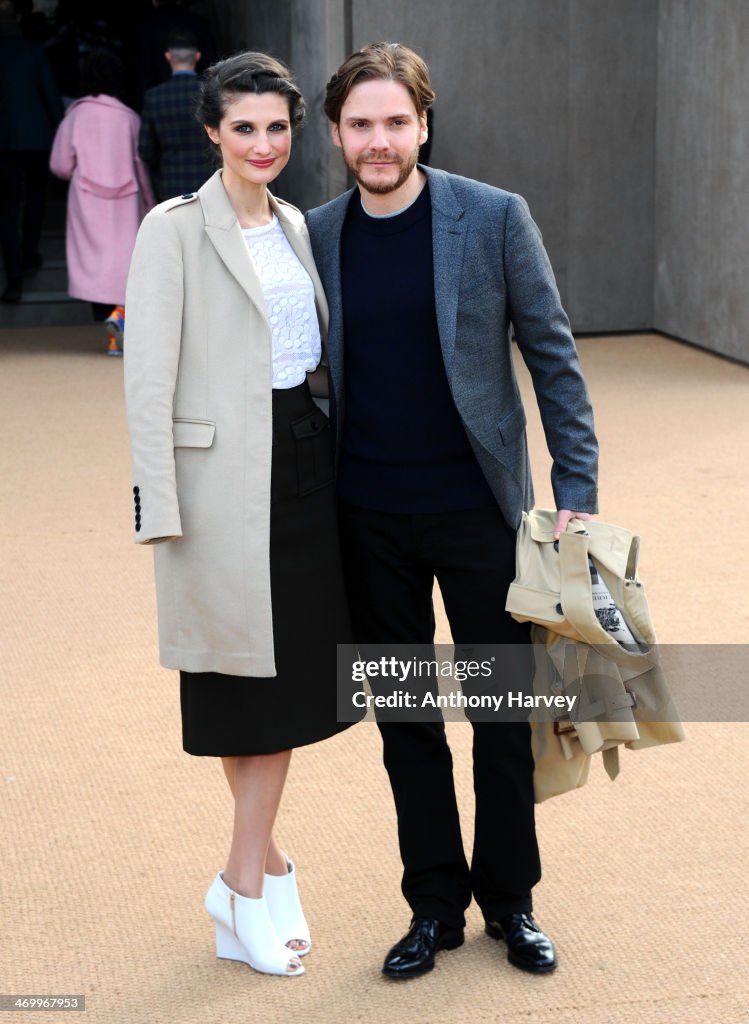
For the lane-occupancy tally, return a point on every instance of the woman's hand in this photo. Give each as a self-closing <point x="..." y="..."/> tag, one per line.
<point x="318" y="382"/>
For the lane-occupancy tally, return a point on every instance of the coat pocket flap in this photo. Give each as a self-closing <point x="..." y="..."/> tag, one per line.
<point x="193" y="433"/>
<point x="527" y="603"/>
<point x="511" y="425"/>
<point x="542" y="522"/>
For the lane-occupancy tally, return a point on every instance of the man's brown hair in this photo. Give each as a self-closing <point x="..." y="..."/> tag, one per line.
<point x="393" y="61"/>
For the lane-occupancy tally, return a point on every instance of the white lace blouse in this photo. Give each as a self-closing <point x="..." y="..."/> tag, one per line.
<point x="289" y="301"/>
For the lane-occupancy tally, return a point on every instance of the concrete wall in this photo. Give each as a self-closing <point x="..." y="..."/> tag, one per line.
<point x="702" y="174"/>
<point x="623" y="122"/>
<point x="554" y="99"/>
<point x="312" y="37"/>
<point x="557" y="104"/>
<point x="610" y="165"/>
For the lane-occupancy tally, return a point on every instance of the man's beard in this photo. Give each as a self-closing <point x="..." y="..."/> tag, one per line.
<point x="406" y="167"/>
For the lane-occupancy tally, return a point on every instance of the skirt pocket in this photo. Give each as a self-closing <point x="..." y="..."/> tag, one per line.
<point x="314" y="454"/>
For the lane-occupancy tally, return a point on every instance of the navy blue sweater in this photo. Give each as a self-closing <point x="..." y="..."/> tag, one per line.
<point x="404" y="447"/>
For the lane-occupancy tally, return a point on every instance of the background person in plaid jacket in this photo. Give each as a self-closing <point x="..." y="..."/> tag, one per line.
<point x="171" y="142"/>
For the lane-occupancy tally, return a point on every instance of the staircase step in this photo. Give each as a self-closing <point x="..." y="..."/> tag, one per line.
<point x="52" y="247"/>
<point x="55" y="213"/>
<point x="54" y="309"/>
<point x="56" y="263"/>
<point x="51" y="277"/>
<point x="45" y="301"/>
<point x="31" y="297"/>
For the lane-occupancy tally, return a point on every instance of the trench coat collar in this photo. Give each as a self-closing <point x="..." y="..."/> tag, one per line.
<point x="222" y="228"/>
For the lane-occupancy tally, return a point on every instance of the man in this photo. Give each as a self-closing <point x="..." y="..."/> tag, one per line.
<point x="171" y="141"/>
<point x="152" y="38"/>
<point x="424" y="272"/>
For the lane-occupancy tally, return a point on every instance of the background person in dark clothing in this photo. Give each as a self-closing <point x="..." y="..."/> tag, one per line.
<point x="172" y="143"/>
<point x="154" y="33"/>
<point x="30" y="109"/>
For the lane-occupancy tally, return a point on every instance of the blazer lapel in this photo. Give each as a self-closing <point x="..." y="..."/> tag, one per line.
<point x="222" y="227"/>
<point x="448" y="245"/>
<point x="328" y="251"/>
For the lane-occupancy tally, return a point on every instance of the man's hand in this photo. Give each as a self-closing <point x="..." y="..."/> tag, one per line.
<point x="563" y="517"/>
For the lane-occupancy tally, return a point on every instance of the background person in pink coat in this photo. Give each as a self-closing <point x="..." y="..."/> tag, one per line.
<point x="96" y="147"/>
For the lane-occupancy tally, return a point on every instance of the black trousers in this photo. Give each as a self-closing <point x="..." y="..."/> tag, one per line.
<point x="390" y="561"/>
<point x="23" y="187"/>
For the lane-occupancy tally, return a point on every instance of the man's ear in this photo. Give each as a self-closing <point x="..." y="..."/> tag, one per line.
<point x="198" y="55"/>
<point x="424" y="132"/>
<point x="168" y="56"/>
<point x="334" y="134"/>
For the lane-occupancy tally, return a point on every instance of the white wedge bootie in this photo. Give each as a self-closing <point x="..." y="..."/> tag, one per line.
<point x="245" y="932"/>
<point x="282" y="896"/>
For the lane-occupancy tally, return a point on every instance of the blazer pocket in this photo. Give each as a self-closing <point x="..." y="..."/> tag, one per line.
<point x="189" y="433"/>
<point x="511" y="425"/>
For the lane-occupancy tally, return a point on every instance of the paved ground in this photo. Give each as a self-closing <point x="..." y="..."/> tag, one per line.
<point x="110" y="834"/>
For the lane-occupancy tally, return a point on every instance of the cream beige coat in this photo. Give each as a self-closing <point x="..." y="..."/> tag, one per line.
<point x="198" y="381"/>
<point x="622" y="696"/>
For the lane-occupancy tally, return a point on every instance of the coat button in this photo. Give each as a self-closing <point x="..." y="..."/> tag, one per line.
<point x="314" y="425"/>
<point x="137" y="527"/>
<point x="187" y="196"/>
<point x="558" y="610"/>
<point x="136" y="491"/>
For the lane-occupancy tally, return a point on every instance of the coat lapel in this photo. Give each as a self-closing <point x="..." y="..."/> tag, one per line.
<point x="448" y="246"/>
<point x="298" y="236"/>
<point x="222" y="227"/>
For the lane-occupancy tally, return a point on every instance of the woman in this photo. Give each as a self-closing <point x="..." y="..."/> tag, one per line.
<point x="233" y="482"/>
<point x="96" y="147"/>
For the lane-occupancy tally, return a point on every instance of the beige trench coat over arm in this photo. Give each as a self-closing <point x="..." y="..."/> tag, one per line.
<point x="198" y="382"/>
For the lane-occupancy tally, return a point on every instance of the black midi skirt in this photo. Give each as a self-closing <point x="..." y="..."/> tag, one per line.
<point x="225" y="716"/>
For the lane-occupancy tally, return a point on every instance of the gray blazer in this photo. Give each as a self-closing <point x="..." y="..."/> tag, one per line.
<point x="490" y="270"/>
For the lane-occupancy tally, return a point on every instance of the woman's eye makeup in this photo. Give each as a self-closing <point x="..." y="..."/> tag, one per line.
<point x="244" y="128"/>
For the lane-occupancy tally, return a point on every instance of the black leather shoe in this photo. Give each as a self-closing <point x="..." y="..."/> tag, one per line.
<point x="414" y="954"/>
<point x="527" y="946"/>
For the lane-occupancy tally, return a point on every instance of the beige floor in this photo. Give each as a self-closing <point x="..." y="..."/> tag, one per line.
<point x="110" y="834"/>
